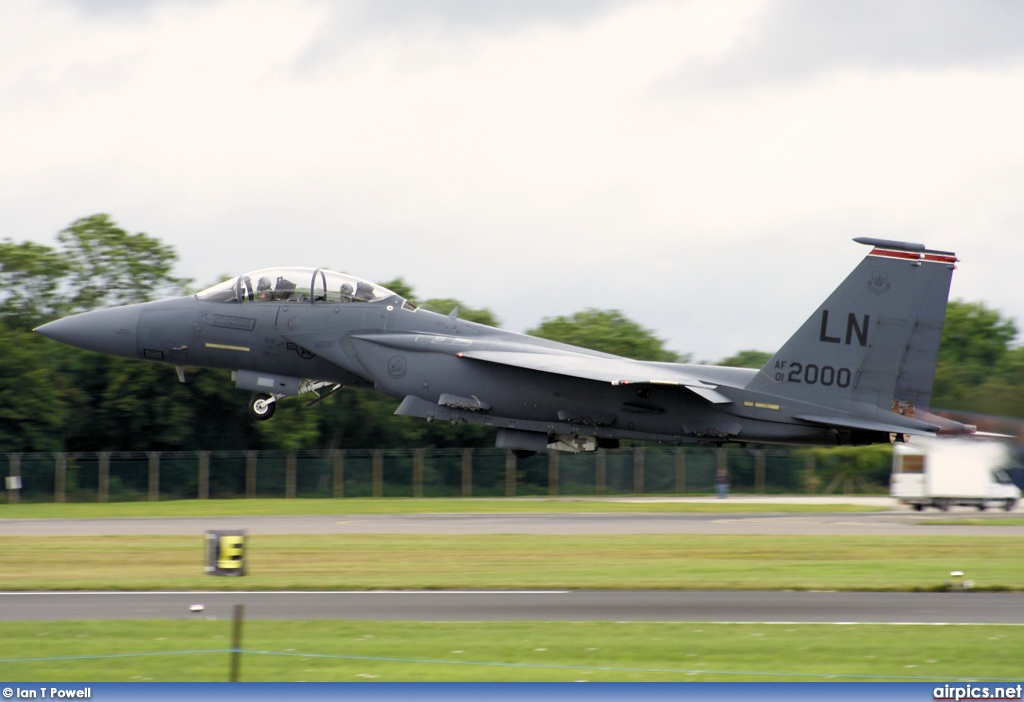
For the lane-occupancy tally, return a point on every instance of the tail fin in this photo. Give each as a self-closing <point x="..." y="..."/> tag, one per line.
<point x="875" y="340"/>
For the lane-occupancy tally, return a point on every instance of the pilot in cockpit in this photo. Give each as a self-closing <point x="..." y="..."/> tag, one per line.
<point x="263" y="289"/>
<point x="284" y="288"/>
<point x="346" y="292"/>
<point x="364" y="292"/>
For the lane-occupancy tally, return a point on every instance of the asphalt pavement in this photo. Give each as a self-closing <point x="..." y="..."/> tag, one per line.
<point x="554" y="605"/>
<point x="564" y="605"/>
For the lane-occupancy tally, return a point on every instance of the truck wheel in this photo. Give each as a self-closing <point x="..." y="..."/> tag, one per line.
<point x="1010" y="504"/>
<point x="981" y="506"/>
<point x="917" y="506"/>
<point x="943" y="505"/>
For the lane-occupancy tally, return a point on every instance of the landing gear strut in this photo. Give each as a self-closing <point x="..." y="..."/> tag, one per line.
<point x="262" y="406"/>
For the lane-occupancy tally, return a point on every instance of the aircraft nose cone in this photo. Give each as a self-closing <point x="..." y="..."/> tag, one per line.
<point x="111" y="331"/>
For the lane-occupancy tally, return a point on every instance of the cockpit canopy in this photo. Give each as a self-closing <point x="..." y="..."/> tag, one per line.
<point x="295" y="285"/>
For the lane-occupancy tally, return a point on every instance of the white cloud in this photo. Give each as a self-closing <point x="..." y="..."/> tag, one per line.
<point x="794" y="39"/>
<point x="567" y="160"/>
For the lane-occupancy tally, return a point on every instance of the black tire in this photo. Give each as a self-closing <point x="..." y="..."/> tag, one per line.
<point x="943" y="505"/>
<point x="261" y="409"/>
<point x="1010" y="504"/>
<point x="981" y="506"/>
<point x="918" y="507"/>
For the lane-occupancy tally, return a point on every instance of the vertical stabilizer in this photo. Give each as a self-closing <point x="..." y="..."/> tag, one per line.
<point x="875" y="340"/>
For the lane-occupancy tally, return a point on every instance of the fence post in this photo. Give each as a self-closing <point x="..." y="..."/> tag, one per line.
<point x="510" y="474"/>
<point x="236" y="643"/>
<point x="417" y="472"/>
<point x="154" y="476"/>
<point x="601" y="471"/>
<point x="759" y="464"/>
<point x="204" y="475"/>
<point x="250" y="474"/>
<point x="339" y="472"/>
<point x="291" y="470"/>
<point x="15" y="472"/>
<point x="467" y="472"/>
<point x="810" y="478"/>
<point x="680" y="465"/>
<point x="722" y="461"/>
<point x="638" y="470"/>
<point x="60" y="473"/>
<point x="378" y="473"/>
<point x="552" y="473"/>
<point x="103" y="479"/>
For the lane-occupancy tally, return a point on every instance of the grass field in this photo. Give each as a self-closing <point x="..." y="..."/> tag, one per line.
<point x="333" y="650"/>
<point x="507" y="651"/>
<point x="379" y="561"/>
<point x="398" y="505"/>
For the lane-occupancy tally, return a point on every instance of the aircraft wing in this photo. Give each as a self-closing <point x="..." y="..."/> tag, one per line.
<point x="617" y="371"/>
<point x="606" y="369"/>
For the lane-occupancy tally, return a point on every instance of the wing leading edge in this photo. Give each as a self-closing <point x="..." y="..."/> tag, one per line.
<point x="614" y="370"/>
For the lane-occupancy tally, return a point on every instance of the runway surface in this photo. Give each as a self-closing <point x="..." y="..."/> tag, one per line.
<point x="898" y="523"/>
<point x="562" y="605"/>
<point x="587" y="605"/>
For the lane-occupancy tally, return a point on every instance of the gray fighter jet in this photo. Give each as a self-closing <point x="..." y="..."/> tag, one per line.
<point x="859" y="370"/>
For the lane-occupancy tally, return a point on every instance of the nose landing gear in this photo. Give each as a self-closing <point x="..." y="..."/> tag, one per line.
<point x="263" y="406"/>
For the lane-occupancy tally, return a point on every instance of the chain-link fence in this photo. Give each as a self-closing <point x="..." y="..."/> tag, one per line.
<point x="127" y="476"/>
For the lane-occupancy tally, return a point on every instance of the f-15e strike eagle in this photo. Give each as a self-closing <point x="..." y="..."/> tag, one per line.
<point x="859" y="370"/>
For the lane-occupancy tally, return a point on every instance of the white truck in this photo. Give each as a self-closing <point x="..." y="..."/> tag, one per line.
<point x="942" y="472"/>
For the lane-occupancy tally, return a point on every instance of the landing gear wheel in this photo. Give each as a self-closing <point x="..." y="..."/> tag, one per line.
<point x="262" y="406"/>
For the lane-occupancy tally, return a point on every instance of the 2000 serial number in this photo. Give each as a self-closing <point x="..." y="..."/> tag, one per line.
<point x="812" y="374"/>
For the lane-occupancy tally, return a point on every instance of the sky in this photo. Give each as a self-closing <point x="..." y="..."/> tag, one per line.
<point x="701" y="166"/>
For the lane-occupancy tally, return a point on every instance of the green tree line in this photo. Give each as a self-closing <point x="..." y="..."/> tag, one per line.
<point x="57" y="398"/>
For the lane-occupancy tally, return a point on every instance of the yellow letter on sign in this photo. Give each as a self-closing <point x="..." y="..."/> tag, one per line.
<point x="232" y="550"/>
<point x="225" y="553"/>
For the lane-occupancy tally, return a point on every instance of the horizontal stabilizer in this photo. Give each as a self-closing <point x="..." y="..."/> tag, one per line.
<point x="946" y="426"/>
<point x="903" y="425"/>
